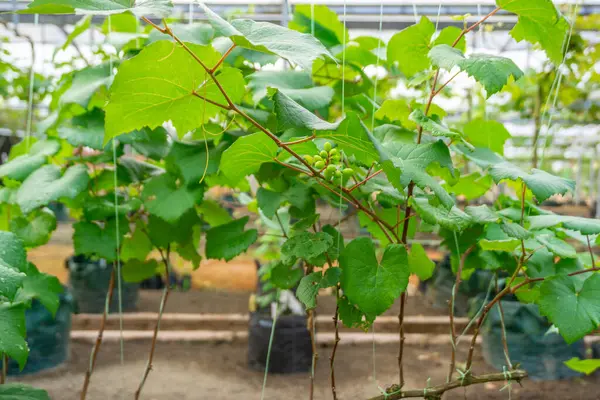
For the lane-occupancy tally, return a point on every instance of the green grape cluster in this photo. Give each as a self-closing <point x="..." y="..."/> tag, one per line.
<point x="328" y="162"/>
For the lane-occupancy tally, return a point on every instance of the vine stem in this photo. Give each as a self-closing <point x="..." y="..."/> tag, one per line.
<point x="231" y="106"/>
<point x="590" y="250"/>
<point x="4" y="369"/>
<point x="411" y="186"/>
<point x="503" y="327"/>
<point x="335" y="343"/>
<point x="96" y="349"/>
<point x="436" y="392"/>
<point x="163" y="302"/>
<point x="451" y="303"/>
<point x="315" y="354"/>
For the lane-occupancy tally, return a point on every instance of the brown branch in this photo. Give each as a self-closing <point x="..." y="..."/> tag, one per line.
<point x="368" y="178"/>
<point x="163" y="302"/>
<point x="306" y="139"/>
<point x="335" y="343"/>
<point x="292" y="167"/>
<point x="446" y="83"/>
<point x="475" y="25"/>
<point x="96" y="349"/>
<point x="535" y="280"/>
<point x="503" y="327"/>
<point x="218" y="64"/>
<point x="436" y="392"/>
<point x="214" y="103"/>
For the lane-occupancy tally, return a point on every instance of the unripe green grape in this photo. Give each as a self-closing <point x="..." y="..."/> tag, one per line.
<point x="331" y="168"/>
<point x="309" y="159"/>
<point x="316" y="159"/>
<point x="328" y="174"/>
<point x="319" y="164"/>
<point x="338" y="173"/>
<point x="323" y="154"/>
<point x="335" y="159"/>
<point x="333" y="152"/>
<point x="348" y="172"/>
<point x="327" y="146"/>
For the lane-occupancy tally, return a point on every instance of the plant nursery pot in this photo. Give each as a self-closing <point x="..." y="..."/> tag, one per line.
<point x="291" y="350"/>
<point x="540" y="353"/>
<point x="47" y="336"/>
<point x="88" y="282"/>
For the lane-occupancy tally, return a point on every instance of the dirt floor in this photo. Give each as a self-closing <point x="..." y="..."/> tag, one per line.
<point x="192" y="371"/>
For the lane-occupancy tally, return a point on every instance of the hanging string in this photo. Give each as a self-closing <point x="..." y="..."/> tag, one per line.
<point x="29" y="122"/>
<point x="312" y="18"/>
<point x="557" y="82"/>
<point x="379" y="39"/>
<point x="485" y="110"/>
<point x="117" y="238"/>
<point x="191" y="13"/>
<point x="344" y="65"/>
<point x="271" y="336"/>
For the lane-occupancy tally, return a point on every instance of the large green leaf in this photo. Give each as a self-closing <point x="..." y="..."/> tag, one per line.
<point x="30" y="156"/>
<point x="92" y="239"/>
<point x="229" y="240"/>
<point x="571" y="305"/>
<point x="433" y="127"/>
<point x="309" y="286"/>
<point x="268" y="201"/>
<point x="11" y="281"/>
<point x="43" y="287"/>
<point x="285" y="276"/>
<point x="85" y="130"/>
<point x="265" y="37"/>
<point x="169" y="201"/>
<point x="46" y="185"/>
<point x="489" y="70"/>
<point x="487" y="133"/>
<point x="135" y="270"/>
<point x="247" y="154"/>
<point x="321" y="21"/>
<point x="137" y="245"/>
<point x="471" y="186"/>
<point x="188" y="160"/>
<point x="159" y="8"/>
<point x="539" y="22"/>
<point x="290" y="114"/>
<point x="85" y="83"/>
<point x="453" y="219"/>
<point x="19" y="391"/>
<point x="309" y="246"/>
<point x="405" y="162"/>
<point x="12" y="333"/>
<point x="371" y="285"/>
<point x="34" y="229"/>
<point x="352" y="136"/>
<point x="13" y="252"/>
<point x="587" y="226"/>
<point x="146" y="92"/>
<point x="410" y="46"/>
<point x="557" y="246"/>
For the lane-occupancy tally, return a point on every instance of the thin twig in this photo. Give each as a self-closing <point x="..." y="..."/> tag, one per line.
<point x="503" y="327"/>
<point x="303" y="140"/>
<point x="218" y="64"/>
<point x="335" y="343"/>
<point x="590" y="249"/>
<point x="163" y="302"/>
<point x="96" y="349"/>
<point x="368" y="178"/>
<point x="436" y="391"/>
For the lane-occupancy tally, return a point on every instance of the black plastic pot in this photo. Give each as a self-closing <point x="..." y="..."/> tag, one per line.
<point x="47" y="336"/>
<point x="438" y="290"/>
<point x="540" y="353"/>
<point x="88" y="282"/>
<point x="291" y="350"/>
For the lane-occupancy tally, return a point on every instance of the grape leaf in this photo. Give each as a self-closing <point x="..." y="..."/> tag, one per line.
<point x="46" y="185"/>
<point x="85" y="130"/>
<point x="34" y="229"/>
<point x="19" y="391"/>
<point x="308" y="246"/>
<point x="290" y="114"/>
<point x="167" y="200"/>
<point x="91" y="239"/>
<point x="229" y="240"/>
<point x="321" y="20"/>
<point x="268" y="201"/>
<point x="487" y="133"/>
<point x="453" y="219"/>
<point x="136" y="270"/>
<point x="12" y="333"/>
<point x="471" y="186"/>
<point x="482" y="214"/>
<point x="43" y="287"/>
<point x="140" y="8"/>
<point x="419" y="262"/>
<point x="13" y="252"/>
<point x="285" y="276"/>
<point x="410" y="46"/>
<point x="489" y="70"/>
<point x="587" y="226"/>
<point x="371" y="285"/>
<point x="85" y="83"/>
<point x="11" y="281"/>
<point x="308" y="289"/>
<point x="247" y="154"/>
<point x="571" y="305"/>
<point x="433" y="127"/>
<point x="352" y="136"/>
<point x="145" y="92"/>
<point x="197" y="33"/>
<point x="586" y="366"/>
<point x="448" y="35"/>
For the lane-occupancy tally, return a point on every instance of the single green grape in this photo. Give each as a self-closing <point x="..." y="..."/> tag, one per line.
<point x="328" y="174"/>
<point x="319" y="164"/>
<point x="333" y="152"/>
<point x="331" y="168"/>
<point x="309" y="159"/>
<point x="327" y="146"/>
<point x="316" y="159"/>
<point x="338" y="173"/>
<point x="335" y="159"/>
<point x="323" y="154"/>
<point x="348" y="172"/>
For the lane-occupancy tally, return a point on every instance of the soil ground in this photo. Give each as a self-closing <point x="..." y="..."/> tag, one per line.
<point x="194" y="371"/>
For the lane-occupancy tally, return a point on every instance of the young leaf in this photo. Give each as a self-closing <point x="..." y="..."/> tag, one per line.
<point x="571" y="305"/>
<point x="19" y="391"/>
<point x="265" y="37"/>
<point x="308" y="289"/>
<point x="290" y="114"/>
<point x="586" y="366"/>
<point x="35" y="229"/>
<point x="137" y="246"/>
<point x="285" y="276"/>
<point x="247" y="154"/>
<point x="136" y="271"/>
<point x="371" y="285"/>
<point x="229" y="240"/>
<point x="85" y="130"/>
<point x="433" y="127"/>
<point x="419" y="262"/>
<point x="453" y="219"/>
<point x="557" y="246"/>
<point x="410" y="46"/>
<point x="491" y="71"/>
<point x="140" y="8"/>
<point x="19" y="168"/>
<point x="403" y="163"/>
<point x="165" y="199"/>
<point x="46" y="185"/>
<point x="145" y="92"/>
<point x="539" y="22"/>
<point x="12" y="339"/>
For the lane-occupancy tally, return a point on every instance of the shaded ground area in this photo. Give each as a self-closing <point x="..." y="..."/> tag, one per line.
<point x="187" y="371"/>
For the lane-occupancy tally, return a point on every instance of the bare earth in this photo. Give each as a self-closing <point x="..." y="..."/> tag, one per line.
<point x="190" y="371"/>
